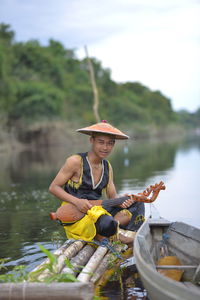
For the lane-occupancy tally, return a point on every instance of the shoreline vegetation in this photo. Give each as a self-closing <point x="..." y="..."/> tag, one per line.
<point x="46" y="94"/>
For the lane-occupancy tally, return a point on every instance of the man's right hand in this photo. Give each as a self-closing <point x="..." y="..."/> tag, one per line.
<point x="83" y="205"/>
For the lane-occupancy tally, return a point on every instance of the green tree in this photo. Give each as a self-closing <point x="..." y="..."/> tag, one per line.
<point x="38" y="82"/>
<point x="36" y="100"/>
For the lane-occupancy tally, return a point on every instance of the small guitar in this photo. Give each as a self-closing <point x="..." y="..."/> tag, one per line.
<point x="69" y="213"/>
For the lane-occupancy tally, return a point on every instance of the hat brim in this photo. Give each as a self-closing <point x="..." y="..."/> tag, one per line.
<point x="115" y="135"/>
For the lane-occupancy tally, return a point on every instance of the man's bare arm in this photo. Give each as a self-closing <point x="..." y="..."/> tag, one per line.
<point x="69" y="170"/>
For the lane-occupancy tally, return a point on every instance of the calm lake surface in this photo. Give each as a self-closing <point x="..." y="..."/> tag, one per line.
<point x="26" y="203"/>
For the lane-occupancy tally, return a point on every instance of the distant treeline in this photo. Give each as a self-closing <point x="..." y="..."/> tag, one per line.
<point x="50" y="83"/>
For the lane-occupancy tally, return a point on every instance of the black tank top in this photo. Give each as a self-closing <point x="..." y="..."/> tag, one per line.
<point x="85" y="188"/>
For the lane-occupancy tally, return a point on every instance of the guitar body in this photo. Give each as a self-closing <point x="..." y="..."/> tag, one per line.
<point x="68" y="212"/>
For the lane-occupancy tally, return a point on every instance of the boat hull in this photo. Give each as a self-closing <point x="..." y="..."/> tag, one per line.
<point x="157" y="285"/>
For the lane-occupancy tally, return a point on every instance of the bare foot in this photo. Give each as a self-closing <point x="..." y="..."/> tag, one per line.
<point x="126" y="240"/>
<point x="99" y="237"/>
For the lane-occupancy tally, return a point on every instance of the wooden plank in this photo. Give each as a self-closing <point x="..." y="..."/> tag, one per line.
<point x="175" y="267"/>
<point x="186" y="230"/>
<point x="159" y="222"/>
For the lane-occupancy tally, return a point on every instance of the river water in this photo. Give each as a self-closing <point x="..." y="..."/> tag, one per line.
<point x="26" y="203"/>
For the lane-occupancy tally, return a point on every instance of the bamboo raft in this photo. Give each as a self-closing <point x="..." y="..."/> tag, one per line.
<point x="88" y="263"/>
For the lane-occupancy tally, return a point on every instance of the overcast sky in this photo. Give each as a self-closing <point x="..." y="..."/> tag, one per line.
<point x="155" y="42"/>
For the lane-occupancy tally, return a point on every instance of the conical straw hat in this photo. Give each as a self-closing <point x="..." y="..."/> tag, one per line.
<point x="105" y="128"/>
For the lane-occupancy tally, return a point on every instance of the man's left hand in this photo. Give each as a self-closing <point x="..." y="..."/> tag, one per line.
<point x="127" y="203"/>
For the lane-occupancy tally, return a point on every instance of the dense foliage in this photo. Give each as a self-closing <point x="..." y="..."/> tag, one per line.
<point x="50" y="83"/>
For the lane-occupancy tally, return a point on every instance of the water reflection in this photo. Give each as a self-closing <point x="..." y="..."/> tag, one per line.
<point x="141" y="160"/>
<point x="24" y="219"/>
<point x="137" y="160"/>
<point x="125" y="285"/>
<point x="25" y="203"/>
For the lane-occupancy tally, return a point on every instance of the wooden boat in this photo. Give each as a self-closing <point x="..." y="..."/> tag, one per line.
<point x="153" y="240"/>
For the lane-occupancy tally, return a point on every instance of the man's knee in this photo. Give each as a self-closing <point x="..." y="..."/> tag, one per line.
<point x="137" y="208"/>
<point x="106" y="226"/>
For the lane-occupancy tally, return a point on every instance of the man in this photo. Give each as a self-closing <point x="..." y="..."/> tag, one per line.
<point x="84" y="177"/>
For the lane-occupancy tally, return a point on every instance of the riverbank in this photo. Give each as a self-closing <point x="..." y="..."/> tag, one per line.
<point x="60" y="133"/>
<point x="38" y="134"/>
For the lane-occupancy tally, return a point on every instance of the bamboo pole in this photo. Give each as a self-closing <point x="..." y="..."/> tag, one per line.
<point x="92" y="264"/>
<point x="109" y="257"/>
<point x="79" y="260"/>
<point x="57" y="252"/>
<point x="94" y="87"/>
<point x="53" y="291"/>
<point x="71" y="251"/>
<point x="109" y="272"/>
